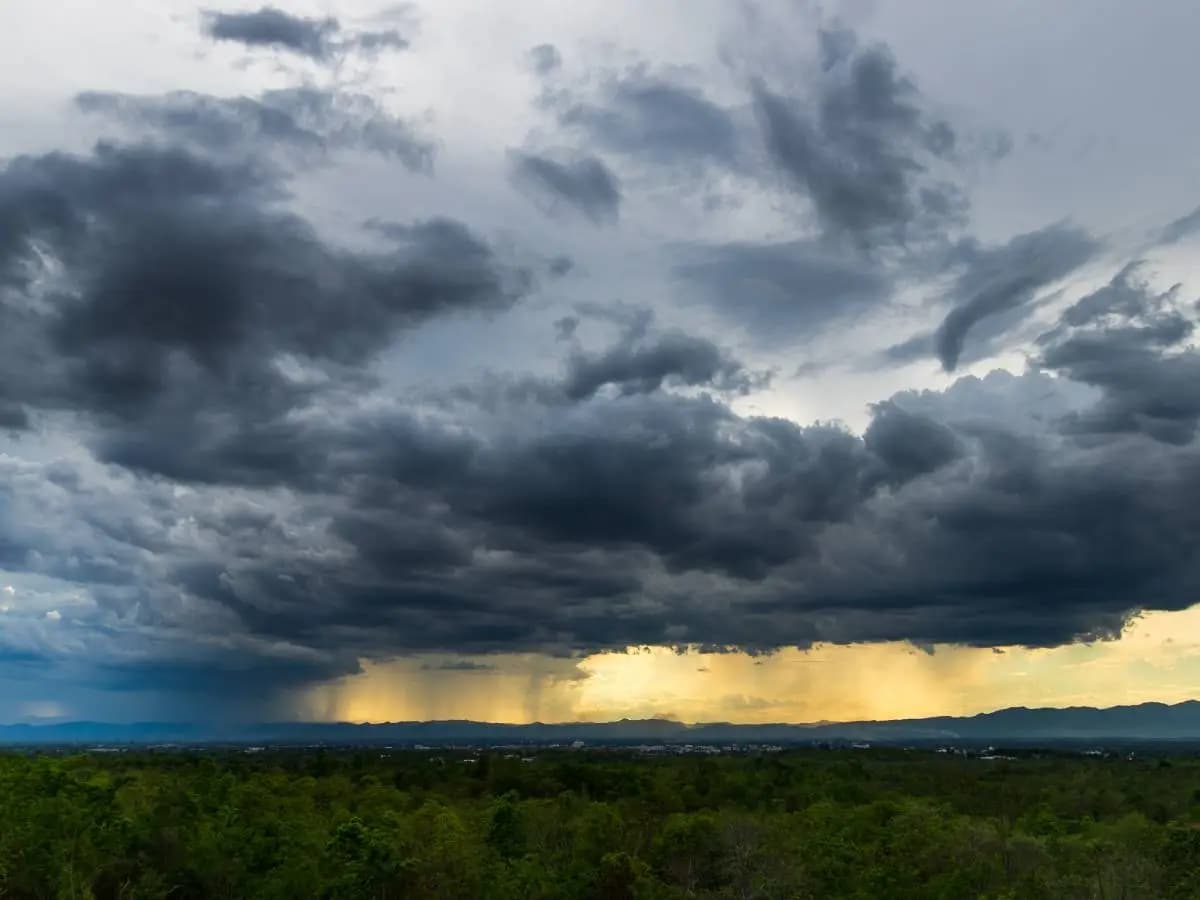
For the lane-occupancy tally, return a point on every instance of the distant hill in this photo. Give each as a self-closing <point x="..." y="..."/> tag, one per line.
<point x="1143" y="722"/>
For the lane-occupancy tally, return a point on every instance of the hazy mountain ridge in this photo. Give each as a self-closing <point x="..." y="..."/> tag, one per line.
<point x="1145" y="721"/>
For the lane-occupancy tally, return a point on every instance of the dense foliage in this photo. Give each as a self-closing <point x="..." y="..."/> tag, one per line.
<point x="603" y="825"/>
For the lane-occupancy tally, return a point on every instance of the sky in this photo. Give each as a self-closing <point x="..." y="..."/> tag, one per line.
<point x="743" y="361"/>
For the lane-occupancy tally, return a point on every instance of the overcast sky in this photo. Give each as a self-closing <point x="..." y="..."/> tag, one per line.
<point x="420" y="360"/>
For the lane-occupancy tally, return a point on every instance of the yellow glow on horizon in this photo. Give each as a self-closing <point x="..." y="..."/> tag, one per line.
<point x="1158" y="658"/>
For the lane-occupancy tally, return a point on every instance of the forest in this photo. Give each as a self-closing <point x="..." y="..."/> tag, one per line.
<point x="596" y="825"/>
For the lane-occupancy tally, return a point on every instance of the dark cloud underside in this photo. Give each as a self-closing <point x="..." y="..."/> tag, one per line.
<point x="594" y="522"/>
<point x="189" y="314"/>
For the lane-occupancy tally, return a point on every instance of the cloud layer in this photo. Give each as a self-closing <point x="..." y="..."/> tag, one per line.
<point x="279" y="395"/>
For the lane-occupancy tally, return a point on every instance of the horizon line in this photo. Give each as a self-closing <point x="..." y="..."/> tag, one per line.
<point x="661" y="719"/>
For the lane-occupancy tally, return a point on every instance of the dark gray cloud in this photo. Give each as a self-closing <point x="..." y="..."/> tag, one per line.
<point x="919" y="346"/>
<point x="1032" y="539"/>
<point x="649" y="517"/>
<point x="457" y="665"/>
<point x="642" y="360"/>
<point x="272" y="27"/>
<point x="640" y="367"/>
<point x="584" y="185"/>
<point x="1003" y="279"/>
<point x="564" y="328"/>
<point x="245" y="496"/>
<point x="781" y="291"/>
<point x="13" y="417"/>
<point x="544" y="58"/>
<point x="657" y="474"/>
<point x="185" y="285"/>
<point x="910" y="444"/>
<point x="980" y="515"/>
<point x="863" y="148"/>
<point x="1132" y="344"/>
<point x="318" y="39"/>
<point x="371" y="42"/>
<point x="308" y="121"/>
<point x="651" y="118"/>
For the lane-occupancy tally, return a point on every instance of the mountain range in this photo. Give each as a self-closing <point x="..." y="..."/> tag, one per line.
<point x="1141" y="722"/>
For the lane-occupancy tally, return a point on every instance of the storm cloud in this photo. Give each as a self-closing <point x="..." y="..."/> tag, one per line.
<point x="280" y="399"/>
<point x="183" y="293"/>
<point x="594" y="525"/>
